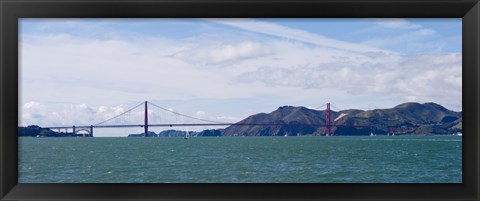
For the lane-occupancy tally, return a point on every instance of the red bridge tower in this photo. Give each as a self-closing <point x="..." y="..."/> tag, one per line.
<point x="146" y="120"/>
<point x="328" y="120"/>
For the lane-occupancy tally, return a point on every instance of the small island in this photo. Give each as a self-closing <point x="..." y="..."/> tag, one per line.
<point x="37" y="131"/>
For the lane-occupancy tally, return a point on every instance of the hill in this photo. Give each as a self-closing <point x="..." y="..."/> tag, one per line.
<point x="403" y="119"/>
<point x="37" y="131"/>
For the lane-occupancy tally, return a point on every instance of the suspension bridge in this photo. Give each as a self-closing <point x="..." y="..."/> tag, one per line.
<point x="109" y="123"/>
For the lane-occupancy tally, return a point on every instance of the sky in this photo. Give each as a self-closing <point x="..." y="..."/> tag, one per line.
<point x="84" y="71"/>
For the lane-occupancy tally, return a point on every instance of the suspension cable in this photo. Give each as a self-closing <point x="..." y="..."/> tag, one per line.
<point x="187" y="115"/>
<point x="320" y="106"/>
<point x="335" y="107"/>
<point x="119" y="114"/>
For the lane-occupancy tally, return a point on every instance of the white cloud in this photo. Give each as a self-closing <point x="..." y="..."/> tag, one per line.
<point x="409" y="38"/>
<point x="411" y="98"/>
<point x="219" y="53"/>
<point x="230" y="118"/>
<point x="433" y="77"/>
<point x="397" y="23"/>
<point x="287" y="64"/>
<point x="295" y="34"/>
<point x="102" y="109"/>
<point x="33" y="111"/>
<point x="31" y="104"/>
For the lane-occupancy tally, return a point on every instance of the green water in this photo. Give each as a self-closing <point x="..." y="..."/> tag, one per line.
<point x="399" y="159"/>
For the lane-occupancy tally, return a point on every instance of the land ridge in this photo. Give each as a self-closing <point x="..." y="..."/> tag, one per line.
<point x="409" y="118"/>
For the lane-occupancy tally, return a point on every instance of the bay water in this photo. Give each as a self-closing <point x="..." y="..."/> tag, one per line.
<point x="304" y="159"/>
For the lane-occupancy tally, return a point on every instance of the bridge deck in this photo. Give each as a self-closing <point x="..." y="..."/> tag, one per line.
<point x="208" y="124"/>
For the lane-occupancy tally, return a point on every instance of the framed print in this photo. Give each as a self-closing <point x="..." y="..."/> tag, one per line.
<point x="239" y="100"/>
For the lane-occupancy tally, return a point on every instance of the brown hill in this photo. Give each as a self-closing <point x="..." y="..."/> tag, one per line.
<point x="406" y="118"/>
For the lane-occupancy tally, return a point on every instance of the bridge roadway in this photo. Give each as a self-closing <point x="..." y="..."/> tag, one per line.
<point x="206" y="124"/>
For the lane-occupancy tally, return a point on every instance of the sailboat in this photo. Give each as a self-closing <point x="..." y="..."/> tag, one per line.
<point x="187" y="135"/>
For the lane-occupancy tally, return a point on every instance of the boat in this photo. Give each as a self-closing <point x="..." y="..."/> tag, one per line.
<point x="371" y="134"/>
<point x="187" y="135"/>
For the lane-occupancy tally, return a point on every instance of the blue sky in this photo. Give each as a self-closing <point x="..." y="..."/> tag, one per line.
<point x="74" y="71"/>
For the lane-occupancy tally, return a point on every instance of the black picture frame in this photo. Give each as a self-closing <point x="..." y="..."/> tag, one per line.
<point x="12" y="10"/>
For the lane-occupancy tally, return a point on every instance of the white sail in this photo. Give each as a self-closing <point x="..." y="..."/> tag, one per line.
<point x="187" y="135"/>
